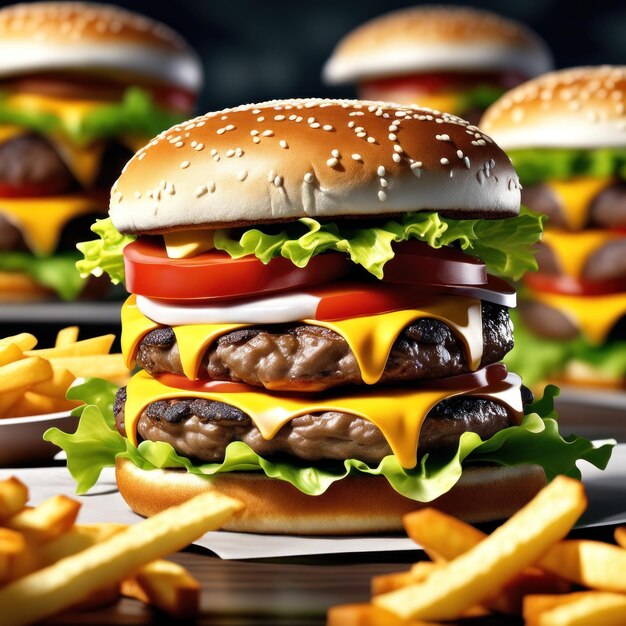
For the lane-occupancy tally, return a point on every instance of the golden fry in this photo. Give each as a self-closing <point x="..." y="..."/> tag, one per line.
<point x="67" y="582"/>
<point x="57" y="386"/>
<point x="167" y="586"/>
<point x="474" y="576"/>
<point x="13" y="497"/>
<point x="586" y="608"/>
<point x="24" y="341"/>
<point x="24" y="373"/>
<point x="9" y="352"/>
<point x="9" y="399"/>
<point x="66" y="336"/>
<point x="368" y="615"/>
<point x="108" y="366"/>
<point x="620" y="536"/>
<point x="87" y="347"/>
<point x="47" y="521"/>
<point x="36" y="404"/>
<point x="390" y="582"/>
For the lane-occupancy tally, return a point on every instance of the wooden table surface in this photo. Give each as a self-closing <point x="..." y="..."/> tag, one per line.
<point x="294" y="591"/>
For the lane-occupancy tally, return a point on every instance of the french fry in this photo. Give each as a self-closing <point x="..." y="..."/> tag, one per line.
<point x="107" y="366"/>
<point x="391" y="582"/>
<point x="367" y="615"/>
<point x="620" y="536"/>
<point x="13" y="497"/>
<point x="47" y="521"/>
<point x="99" y="599"/>
<point x="474" y="576"/>
<point x="9" y="352"/>
<point x="36" y="404"/>
<point x="167" y="586"/>
<point x="9" y="399"/>
<point x="590" y="608"/>
<point x="24" y="373"/>
<point x="88" y="347"/>
<point x="590" y="563"/>
<point x="64" y="584"/>
<point x="12" y="543"/>
<point x="66" y="336"/>
<point x="24" y="341"/>
<point x="57" y="386"/>
<point x="442" y="536"/>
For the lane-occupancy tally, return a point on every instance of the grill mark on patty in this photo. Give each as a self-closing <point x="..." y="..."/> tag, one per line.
<point x="201" y="429"/>
<point x="292" y="356"/>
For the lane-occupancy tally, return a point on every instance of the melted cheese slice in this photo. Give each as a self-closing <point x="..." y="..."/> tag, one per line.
<point x="595" y="316"/>
<point x="398" y="412"/>
<point x="41" y="220"/>
<point x="188" y="243"/>
<point x="10" y="131"/>
<point x="573" y="250"/>
<point x="83" y="161"/>
<point x="370" y="337"/>
<point x="576" y="195"/>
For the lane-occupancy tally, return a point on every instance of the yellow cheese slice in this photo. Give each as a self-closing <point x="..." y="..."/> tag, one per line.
<point x="41" y="220"/>
<point x="398" y="412"/>
<point x="11" y="131"/>
<point x="576" y="195"/>
<point x="188" y="243"/>
<point x="83" y="161"/>
<point x="370" y="338"/>
<point x="595" y="316"/>
<point x="573" y="250"/>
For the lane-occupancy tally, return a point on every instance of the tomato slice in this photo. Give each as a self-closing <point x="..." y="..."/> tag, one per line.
<point x="218" y="386"/>
<point x="150" y="272"/>
<point x="32" y="190"/>
<point x="432" y="82"/>
<point x="567" y="285"/>
<point x="416" y="263"/>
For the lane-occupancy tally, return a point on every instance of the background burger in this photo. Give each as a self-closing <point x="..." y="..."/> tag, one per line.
<point x="566" y="135"/>
<point x="446" y="58"/>
<point x="82" y="87"/>
<point x="316" y="323"/>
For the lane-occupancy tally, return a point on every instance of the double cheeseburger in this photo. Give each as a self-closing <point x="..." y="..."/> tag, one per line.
<point x="566" y="135"/>
<point x="82" y="87"/>
<point x="315" y="321"/>
<point x="448" y="58"/>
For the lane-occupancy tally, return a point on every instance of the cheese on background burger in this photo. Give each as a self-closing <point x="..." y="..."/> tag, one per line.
<point x="316" y="322"/>
<point x="82" y="87"/>
<point x="566" y="135"/>
<point x="448" y="58"/>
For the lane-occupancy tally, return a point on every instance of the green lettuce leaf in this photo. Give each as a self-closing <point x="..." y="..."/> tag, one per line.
<point x="56" y="272"/>
<point x="96" y="444"/>
<point x="104" y="254"/>
<point x="480" y="97"/>
<point x="536" y="358"/>
<point x="135" y="114"/>
<point x="535" y="166"/>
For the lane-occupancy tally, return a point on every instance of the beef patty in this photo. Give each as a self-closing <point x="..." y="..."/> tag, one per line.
<point x="201" y="429"/>
<point x="301" y="356"/>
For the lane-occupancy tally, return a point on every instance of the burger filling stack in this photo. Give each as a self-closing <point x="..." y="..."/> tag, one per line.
<point x="566" y="135"/>
<point x="317" y="321"/>
<point x="82" y="87"/>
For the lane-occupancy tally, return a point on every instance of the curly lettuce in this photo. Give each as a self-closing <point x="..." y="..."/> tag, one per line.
<point x="96" y="444"/>
<point x="535" y="166"/>
<point x="505" y="245"/>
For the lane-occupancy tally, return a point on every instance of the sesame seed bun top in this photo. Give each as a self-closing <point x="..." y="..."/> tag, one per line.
<point x="427" y="38"/>
<point x="583" y="107"/>
<point x="57" y="36"/>
<point x="282" y="160"/>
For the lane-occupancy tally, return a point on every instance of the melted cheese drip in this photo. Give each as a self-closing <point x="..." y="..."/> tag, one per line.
<point x="398" y="412"/>
<point x="41" y="220"/>
<point x="370" y="338"/>
<point x="576" y="195"/>
<point x="83" y="161"/>
<point x="595" y="316"/>
<point x="573" y="250"/>
<point x="188" y="243"/>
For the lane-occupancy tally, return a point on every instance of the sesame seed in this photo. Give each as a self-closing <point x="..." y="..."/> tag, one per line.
<point x="268" y="133"/>
<point x="444" y="161"/>
<point x="383" y="182"/>
<point x="220" y="131"/>
<point x="371" y="140"/>
<point x="361" y="134"/>
<point x="315" y="125"/>
<point x="211" y="186"/>
<point x="213" y="152"/>
<point x="230" y="153"/>
<point x="396" y="157"/>
<point x="179" y="144"/>
<point x="397" y="148"/>
<point x="459" y="153"/>
<point x="256" y="139"/>
<point x="201" y="190"/>
<point x="230" y="127"/>
<point x="279" y="118"/>
<point x="327" y="127"/>
<point x="271" y="175"/>
<point x="254" y="133"/>
<point x="332" y="162"/>
<point x="351" y="124"/>
<point x="260" y="119"/>
<point x="335" y="153"/>
<point x="392" y="137"/>
<point x="382" y="196"/>
<point x="283" y="144"/>
<point x="138" y="195"/>
<point x="242" y="175"/>
<point x="381" y="170"/>
<point x="184" y="165"/>
<point x="278" y="181"/>
<point x="309" y="178"/>
<point x="467" y="162"/>
<point x="357" y="157"/>
<point x="198" y="147"/>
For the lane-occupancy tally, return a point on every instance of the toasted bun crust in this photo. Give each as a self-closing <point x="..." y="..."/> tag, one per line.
<point x="429" y="38"/>
<point x="354" y="505"/>
<point x="583" y="107"/>
<point x="54" y="36"/>
<point x="282" y="160"/>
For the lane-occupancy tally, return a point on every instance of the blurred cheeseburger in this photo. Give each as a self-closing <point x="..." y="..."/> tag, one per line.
<point x="82" y="87"/>
<point x="447" y="58"/>
<point x="316" y="321"/>
<point x="566" y="135"/>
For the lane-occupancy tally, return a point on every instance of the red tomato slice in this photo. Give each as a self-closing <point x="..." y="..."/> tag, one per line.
<point x="150" y="272"/>
<point x="567" y="285"/>
<point x="32" y="190"/>
<point x="439" y="81"/>
<point x="416" y="263"/>
<point x="182" y="382"/>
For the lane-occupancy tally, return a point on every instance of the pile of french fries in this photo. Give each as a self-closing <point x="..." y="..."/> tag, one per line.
<point x="48" y="563"/>
<point x="34" y="382"/>
<point x="525" y="567"/>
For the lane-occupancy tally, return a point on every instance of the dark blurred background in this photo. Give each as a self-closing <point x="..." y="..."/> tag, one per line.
<point x="260" y="49"/>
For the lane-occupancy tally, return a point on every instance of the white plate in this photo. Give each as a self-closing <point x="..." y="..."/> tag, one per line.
<point x="21" y="438"/>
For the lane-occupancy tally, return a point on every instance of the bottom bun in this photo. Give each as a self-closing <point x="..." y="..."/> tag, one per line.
<point x="354" y="505"/>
